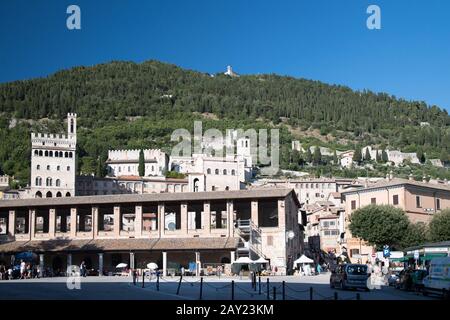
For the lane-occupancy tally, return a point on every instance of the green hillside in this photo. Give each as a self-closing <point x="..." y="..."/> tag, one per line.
<point x="124" y="104"/>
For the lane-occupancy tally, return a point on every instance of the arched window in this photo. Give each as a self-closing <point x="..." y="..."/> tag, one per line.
<point x="59" y="195"/>
<point x="68" y="168"/>
<point x="70" y="154"/>
<point x="40" y="153"/>
<point x="227" y="188"/>
<point x="196" y="182"/>
<point x="36" y="152"/>
<point x="38" y="167"/>
<point x="50" y="154"/>
<point x="48" y="167"/>
<point x="233" y="172"/>
<point x="48" y="182"/>
<point x="213" y="188"/>
<point x="217" y="171"/>
<point x="68" y="194"/>
<point x="60" y="154"/>
<point x="224" y="172"/>
<point x="56" y="154"/>
<point x="48" y="195"/>
<point x="246" y="143"/>
<point x="58" y="183"/>
<point x="208" y="171"/>
<point x="46" y="153"/>
<point x="38" y="181"/>
<point x="66" y="154"/>
<point x="58" y="168"/>
<point x="38" y="194"/>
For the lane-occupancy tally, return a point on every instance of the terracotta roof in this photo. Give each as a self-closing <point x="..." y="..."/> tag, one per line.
<point x="335" y="194"/>
<point x="120" y="244"/>
<point x="400" y="182"/>
<point x="152" y="197"/>
<point x="328" y="217"/>
<point x="133" y="178"/>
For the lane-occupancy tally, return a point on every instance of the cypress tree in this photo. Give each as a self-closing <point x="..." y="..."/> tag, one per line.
<point x="141" y="167"/>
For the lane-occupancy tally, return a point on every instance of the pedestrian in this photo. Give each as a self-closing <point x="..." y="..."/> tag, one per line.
<point x="83" y="269"/>
<point x="182" y="270"/>
<point x="10" y="273"/>
<point x="319" y="268"/>
<point x="22" y="269"/>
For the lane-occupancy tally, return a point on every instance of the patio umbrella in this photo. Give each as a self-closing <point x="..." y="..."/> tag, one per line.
<point x="261" y="260"/>
<point x="152" y="266"/>
<point x="121" y="265"/>
<point x="244" y="260"/>
<point x="303" y="259"/>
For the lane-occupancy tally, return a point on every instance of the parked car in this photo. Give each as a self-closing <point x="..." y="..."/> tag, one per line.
<point x="350" y="276"/>
<point x="405" y="280"/>
<point x="438" y="279"/>
<point x="417" y="279"/>
<point x="393" y="279"/>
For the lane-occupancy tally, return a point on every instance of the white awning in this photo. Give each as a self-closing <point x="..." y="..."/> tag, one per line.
<point x="303" y="259"/>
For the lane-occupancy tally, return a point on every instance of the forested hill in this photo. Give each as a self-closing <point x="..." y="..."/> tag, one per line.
<point x="161" y="97"/>
<point x="130" y="89"/>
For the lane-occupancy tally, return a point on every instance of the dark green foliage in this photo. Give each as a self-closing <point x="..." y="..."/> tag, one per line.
<point x="380" y="225"/>
<point x="317" y="157"/>
<point x="367" y="156"/>
<point x="357" y="156"/>
<point x="129" y="105"/>
<point x="415" y="234"/>
<point x="439" y="228"/>
<point x="141" y="167"/>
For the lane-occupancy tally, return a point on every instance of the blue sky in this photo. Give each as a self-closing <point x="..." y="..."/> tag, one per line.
<point x="324" y="40"/>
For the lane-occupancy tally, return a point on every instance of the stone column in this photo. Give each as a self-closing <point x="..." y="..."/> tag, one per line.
<point x="131" y="260"/>
<point x="73" y="222"/>
<point x="32" y="226"/>
<point x="254" y="213"/>
<point x="281" y="214"/>
<point x="197" y="263"/>
<point x="100" y="264"/>
<point x="69" y="261"/>
<point x="41" y="265"/>
<point x="51" y="223"/>
<point x="117" y="221"/>
<point x="94" y="213"/>
<point x="138" y="221"/>
<point x="12" y="223"/>
<point x="164" y="263"/>
<point x="232" y="256"/>
<point x="206" y="217"/>
<point x="230" y="222"/>
<point x="161" y="220"/>
<point x="184" y="218"/>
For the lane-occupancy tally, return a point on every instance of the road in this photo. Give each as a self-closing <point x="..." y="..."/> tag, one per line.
<point x="122" y="288"/>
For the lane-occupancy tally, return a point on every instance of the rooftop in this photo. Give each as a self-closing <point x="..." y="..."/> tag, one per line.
<point x="153" y="197"/>
<point x="399" y="182"/>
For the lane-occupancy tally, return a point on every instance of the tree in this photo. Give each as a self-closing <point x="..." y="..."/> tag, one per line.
<point x="415" y="234"/>
<point x="317" y="158"/>
<point x="335" y="158"/>
<point x="439" y="228"/>
<point x="443" y="155"/>
<point x="378" y="156"/>
<point x="421" y="155"/>
<point x="101" y="171"/>
<point x="357" y="156"/>
<point x="141" y="167"/>
<point x="384" y="156"/>
<point x="367" y="156"/>
<point x="308" y="156"/>
<point x="379" y="225"/>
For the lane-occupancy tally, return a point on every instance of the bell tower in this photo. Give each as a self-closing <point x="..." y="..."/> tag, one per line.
<point x="72" y="126"/>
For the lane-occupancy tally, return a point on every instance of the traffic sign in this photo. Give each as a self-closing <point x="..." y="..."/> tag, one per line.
<point x="386" y="251"/>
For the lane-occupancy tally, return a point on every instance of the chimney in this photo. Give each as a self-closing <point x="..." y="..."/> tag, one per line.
<point x="366" y="183"/>
<point x="424" y="179"/>
<point x="391" y="175"/>
<point x="410" y="177"/>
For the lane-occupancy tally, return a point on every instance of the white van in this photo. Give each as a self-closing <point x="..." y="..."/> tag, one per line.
<point x="438" y="278"/>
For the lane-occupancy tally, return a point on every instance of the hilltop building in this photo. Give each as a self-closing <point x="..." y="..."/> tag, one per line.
<point x="53" y="162"/>
<point x="126" y="162"/>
